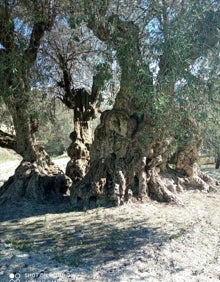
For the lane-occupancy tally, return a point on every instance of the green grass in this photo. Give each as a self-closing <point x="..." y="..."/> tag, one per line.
<point x="21" y="245"/>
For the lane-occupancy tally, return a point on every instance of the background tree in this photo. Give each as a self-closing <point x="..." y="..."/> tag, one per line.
<point x="23" y="25"/>
<point x="155" y="115"/>
<point x="54" y="132"/>
<point x="78" y="78"/>
<point x="211" y="132"/>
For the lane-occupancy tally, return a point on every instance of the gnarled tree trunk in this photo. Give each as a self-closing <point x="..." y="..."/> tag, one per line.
<point x="85" y="107"/>
<point x="129" y="158"/>
<point x="123" y="165"/>
<point x="36" y="178"/>
<point x="79" y="151"/>
<point x="186" y="159"/>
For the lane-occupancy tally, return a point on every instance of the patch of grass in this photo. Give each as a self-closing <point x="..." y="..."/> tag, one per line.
<point x="75" y="262"/>
<point x="21" y="245"/>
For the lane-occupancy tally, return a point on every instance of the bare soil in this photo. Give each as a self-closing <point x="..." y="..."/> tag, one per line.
<point x="135" y="242"/>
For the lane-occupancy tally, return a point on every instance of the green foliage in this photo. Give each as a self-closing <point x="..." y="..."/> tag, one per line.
<point x="103" y="74"/>
<point x="180" y="39"/>
<point x="182" y="42"/>
<point x="76" y="262"/>
<point x="55" y="123"/>
<point x="54" y="133"/>
<point x="5" y="117"/>
<point x="75" y="22"/>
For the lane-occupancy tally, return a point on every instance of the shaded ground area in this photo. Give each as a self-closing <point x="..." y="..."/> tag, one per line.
<point x="145" y="242"/>
<point x="135" y="242"/>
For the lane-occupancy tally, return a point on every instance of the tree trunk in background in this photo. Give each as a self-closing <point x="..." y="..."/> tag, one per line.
<point x="217" y="165"/>
<point x="85" y="107"/>
<point x="79" y="151"/>
<point x="186" y="158"/>
<point x="36" y="178"/>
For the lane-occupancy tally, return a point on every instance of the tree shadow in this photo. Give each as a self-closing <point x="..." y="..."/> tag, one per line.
<point x="84" y="240"/>
<point x="25" y="209"/>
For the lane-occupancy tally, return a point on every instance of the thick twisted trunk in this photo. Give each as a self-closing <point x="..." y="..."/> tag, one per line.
<point x="129" y="155"/>
<point x="186" y="159"/>
<point x="85" y="107"/>
<point x="78" y="151"/>
<point x="36" y="178"/>
<point x="123" y="165"/>
<point x="122" y="169"/>
<point x="24" y="137"/>
<point x="112" y="158"/>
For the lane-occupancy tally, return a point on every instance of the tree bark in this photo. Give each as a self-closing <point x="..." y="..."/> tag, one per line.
<point x="118" y="157"/>
<point x="36" y="178"/>
<point x="186" y="159"/>
<point x="217" y="164"/>
<point x="79" y="151"/>
<point x="7" y="140"/>
<point x="129" y="155"/>
<point x="85" y="107"/>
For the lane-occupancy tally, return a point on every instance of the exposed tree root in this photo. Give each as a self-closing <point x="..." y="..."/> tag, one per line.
<point x="35" y="183"/>
<point x="121" y="171"/>
<point x="163" y="188"/>
<point x="104" y="185"/>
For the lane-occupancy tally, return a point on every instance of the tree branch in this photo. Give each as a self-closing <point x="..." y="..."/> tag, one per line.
<point x="38" y="31"/>
<point x="6" y="27"/>
<point x="7" y="140"/>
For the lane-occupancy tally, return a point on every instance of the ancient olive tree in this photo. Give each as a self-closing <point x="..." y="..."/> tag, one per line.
<point x="148" y="144"/>
<point x="74" y="57"/>
<point x="23" y="25"/>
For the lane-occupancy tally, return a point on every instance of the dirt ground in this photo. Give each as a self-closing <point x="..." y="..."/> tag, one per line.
<point x="135" y="242"/>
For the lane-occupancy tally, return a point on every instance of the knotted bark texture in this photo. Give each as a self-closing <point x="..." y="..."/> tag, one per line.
<point x="130" y="155"/>
<point x="38" y="182"/>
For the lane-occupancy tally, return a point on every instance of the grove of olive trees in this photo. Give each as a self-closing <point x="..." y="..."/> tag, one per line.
<point x="147" y="146"/>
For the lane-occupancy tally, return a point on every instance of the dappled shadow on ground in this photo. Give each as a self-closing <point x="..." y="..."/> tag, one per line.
<point x="100" y="243"/>
<point x="145" y="241"/>
<point x="82" y="239"/>
<point x="25" y="209"/>
<point x="76" y="239"/>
